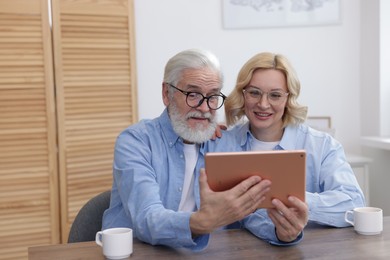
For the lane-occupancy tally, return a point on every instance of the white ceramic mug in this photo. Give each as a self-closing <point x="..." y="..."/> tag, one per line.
<point x="366" y="220"/>
<point x="117" y="243"/>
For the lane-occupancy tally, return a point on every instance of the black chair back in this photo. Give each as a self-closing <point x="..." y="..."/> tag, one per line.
<point x="89" y="219"/>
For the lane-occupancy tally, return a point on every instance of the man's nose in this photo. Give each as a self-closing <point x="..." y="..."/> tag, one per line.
<point x="203" y="106"/>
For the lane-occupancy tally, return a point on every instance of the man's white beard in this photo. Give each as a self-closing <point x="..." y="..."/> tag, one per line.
<point x="199" y="134"/>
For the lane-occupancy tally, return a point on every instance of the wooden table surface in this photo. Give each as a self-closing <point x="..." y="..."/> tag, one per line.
<point x="319" y="243"/>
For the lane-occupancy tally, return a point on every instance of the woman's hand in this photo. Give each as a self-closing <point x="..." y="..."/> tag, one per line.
<point x="218" y="132"/>
<point x="289" y="220"/>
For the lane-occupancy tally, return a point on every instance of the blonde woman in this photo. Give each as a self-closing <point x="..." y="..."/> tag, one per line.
<point x="266" y="115"/>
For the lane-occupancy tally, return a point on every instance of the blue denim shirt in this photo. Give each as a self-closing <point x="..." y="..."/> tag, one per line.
<point x="148" y="176"/>
<point x="331" y="185"/>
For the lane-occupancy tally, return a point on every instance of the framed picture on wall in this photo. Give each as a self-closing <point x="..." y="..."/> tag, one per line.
<point x="322" y="123"/>
<point x="319" y="122"/>
<point x="279" y="13"/>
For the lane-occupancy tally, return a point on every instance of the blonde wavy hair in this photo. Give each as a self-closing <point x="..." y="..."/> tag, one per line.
<point x="234" y="105"/>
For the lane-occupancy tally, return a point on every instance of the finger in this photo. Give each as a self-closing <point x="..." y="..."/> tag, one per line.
<point x="203" y="184"/>
<point x="278" y="217"/>
<point x="284" y="215"/>
<point x="245" y="185"/>
<point x="272" y="214"/>
<point x="297" y="203"/>
<point x="296" y="212"/>
<point x="284" y="228"/>
<point x="281" y="229"/>
<point x="280" y="207"/>
<point x="291" y="218"/>
<point x="251" y="203"/>
<point x="254" y="196"/>
<point x="223" y="127"/>
<point x="218" y="132"/>
<point x="300" y="211"/>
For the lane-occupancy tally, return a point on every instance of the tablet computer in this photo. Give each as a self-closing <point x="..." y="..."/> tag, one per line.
<point x="285" y="168"/>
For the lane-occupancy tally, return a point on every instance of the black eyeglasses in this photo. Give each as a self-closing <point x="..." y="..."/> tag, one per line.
<point x="195" y="99"/>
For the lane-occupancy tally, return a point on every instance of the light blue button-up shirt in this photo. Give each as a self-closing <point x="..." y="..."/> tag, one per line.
<point x="148" y="176"/>
<point x="331" y="185"/>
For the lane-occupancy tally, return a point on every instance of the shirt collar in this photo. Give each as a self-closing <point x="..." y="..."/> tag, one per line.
<point x="289" y="138"/>
<point x="286" y="143"/>
<point x="244" y="134"/>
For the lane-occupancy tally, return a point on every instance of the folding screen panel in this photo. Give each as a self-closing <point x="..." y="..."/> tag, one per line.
<point x="96" y="95"/>
<point x="29" y="211"/>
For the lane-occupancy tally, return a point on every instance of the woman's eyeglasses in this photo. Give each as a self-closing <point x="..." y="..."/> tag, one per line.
<point x="254" y="95"/>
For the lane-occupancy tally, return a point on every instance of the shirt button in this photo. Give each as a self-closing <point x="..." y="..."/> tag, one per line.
<point x="181" y="156"/>
<point x="180" y="189"/>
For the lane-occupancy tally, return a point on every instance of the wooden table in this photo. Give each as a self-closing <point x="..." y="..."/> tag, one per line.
<point x="319" y="243"/>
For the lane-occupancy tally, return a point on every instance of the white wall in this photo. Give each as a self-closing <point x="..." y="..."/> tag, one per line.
<point x="384" y="11"/>
<point x="375" y="94"/>
<point x="339" y="65"/>
<point x="325" y="57"/>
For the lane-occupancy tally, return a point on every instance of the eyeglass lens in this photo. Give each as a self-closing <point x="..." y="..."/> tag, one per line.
<point x="196" y="99"/>
<point x="255" y="95"/>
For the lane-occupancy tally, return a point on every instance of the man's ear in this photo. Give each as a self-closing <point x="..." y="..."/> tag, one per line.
<point x="165" y="94"/>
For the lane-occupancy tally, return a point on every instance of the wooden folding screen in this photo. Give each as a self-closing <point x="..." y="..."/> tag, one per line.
<point x="29" y="212"/>
<point x="96" y="95"/>
<point x="59" y="114"/>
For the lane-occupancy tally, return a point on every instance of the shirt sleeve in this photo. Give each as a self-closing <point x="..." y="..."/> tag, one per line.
<point x="260" y="225"/>
<point x="338" y="189"/>
<point x="137" y="203"/>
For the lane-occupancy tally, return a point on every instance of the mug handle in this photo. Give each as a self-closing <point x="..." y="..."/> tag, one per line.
<point x="98" y="238"/>
<point x="347" y="213"/>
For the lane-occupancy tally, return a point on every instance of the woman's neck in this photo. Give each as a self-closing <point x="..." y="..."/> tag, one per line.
<point x="268" y="135"/>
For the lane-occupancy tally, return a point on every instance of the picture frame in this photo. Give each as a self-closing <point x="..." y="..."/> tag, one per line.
<point x="321" y="123"/>
<point x="279" y="13"/>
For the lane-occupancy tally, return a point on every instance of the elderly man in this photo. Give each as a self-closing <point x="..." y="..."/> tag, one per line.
<point x="160" y="189"/>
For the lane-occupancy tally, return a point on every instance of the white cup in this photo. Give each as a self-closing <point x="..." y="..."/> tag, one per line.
<point x="366" y="220"/>
<point x="117" y="243"/>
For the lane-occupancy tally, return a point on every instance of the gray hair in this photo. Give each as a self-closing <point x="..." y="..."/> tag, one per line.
<point x="190" y="59"/>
